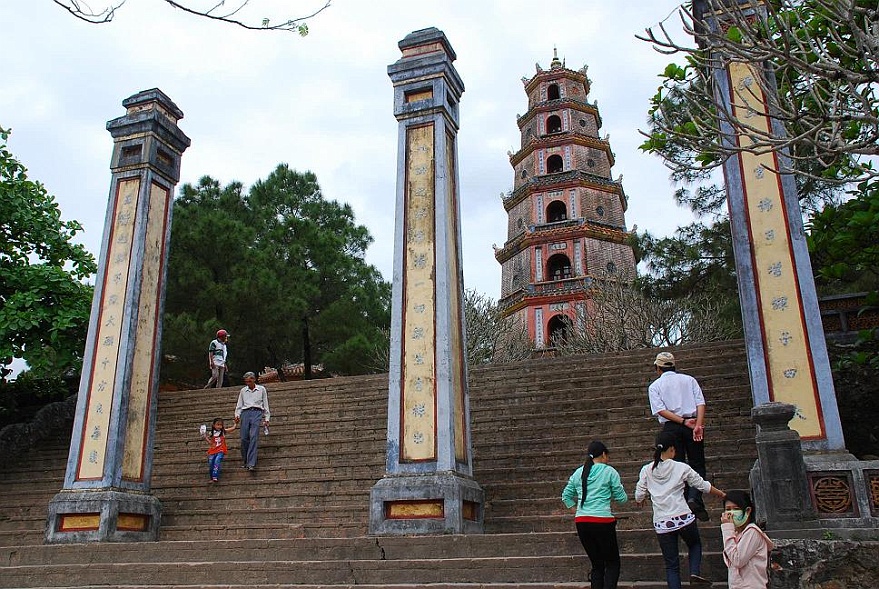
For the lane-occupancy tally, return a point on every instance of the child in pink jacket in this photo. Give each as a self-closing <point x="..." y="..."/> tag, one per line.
<point x="745" y="546"/>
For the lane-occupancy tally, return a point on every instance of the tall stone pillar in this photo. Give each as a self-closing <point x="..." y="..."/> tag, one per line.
<point x="787" y="353"/>
<point x="428" y="487"/>
<point x="106" y="494"/>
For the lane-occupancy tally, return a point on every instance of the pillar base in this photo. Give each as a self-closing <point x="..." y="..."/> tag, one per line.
<point x="439" y="503"/>
<point x="103" y="516"/>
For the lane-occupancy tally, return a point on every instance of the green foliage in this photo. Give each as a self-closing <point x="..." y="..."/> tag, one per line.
<point x="844" y="246"/>
<point x="822" y="59"/>
<point x="279" y="267"/>
<point x="44" y="305"/>
<point x="698" y="258"/>
<point x="683" y="131"/>
<point x="844" y="239"/>
<point x="857" y="390"/>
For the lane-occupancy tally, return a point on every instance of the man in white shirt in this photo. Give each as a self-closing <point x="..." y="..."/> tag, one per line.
<point x="217" y="359"/>
<point x="252" y="413"/>
<point x="677" y="402"/>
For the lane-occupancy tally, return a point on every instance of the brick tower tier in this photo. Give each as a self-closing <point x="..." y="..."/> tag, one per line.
<point x="566" y="224"/>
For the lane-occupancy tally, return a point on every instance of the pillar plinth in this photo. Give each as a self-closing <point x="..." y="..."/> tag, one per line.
<point x="106" y="494"/>
<point x="428" y="486"/>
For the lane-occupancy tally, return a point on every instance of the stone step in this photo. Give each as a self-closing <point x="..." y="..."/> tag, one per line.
<point x="304" y="512"/>
<point x="321" y="528"/>
<point x="729" y="401"/>
<point x="300" y="396"/>
<point x="490" y="395"/>
<point x="324" y="549"/>
<point x="624" y="438"/>
<point x="576" y="585"/>
<point x="501" y="444"/>
<point x="271" y="570"/>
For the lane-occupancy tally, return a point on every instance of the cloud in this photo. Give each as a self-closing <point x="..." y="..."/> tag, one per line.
<point x="324" y="102"/>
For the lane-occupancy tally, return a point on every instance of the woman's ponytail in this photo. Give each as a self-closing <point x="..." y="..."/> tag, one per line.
<point x="596" y="448"/>
<point x="664" y="441"/>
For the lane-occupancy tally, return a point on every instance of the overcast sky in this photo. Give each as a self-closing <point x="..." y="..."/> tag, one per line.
<point x="324" y="102"/>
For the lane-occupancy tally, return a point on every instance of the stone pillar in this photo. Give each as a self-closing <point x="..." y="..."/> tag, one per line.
<point x="787" y="353"/>
<point x="106" y="494"/>
<point x="782" y="498"/>
<point x="428" y="486"/>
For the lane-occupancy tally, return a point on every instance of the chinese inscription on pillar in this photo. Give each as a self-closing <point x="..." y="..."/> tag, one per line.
<point x="107" y="342"/>
<point x="418" y="441"/>
<point x="789" y="362"/>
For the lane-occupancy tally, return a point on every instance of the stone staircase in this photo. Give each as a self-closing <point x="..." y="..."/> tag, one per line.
<point x="300" y="520"/>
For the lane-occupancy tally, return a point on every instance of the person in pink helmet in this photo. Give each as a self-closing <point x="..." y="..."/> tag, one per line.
<point x="217" y="359"/>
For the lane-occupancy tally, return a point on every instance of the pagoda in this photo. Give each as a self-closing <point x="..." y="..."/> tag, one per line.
<point x="566" y="214"/>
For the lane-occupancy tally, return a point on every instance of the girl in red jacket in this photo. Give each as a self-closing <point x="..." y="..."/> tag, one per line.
<point x="217" y="450"/>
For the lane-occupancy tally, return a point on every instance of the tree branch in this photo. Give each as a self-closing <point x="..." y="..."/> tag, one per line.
<point x="817" y="63"/>
<point x="84" y="12"/>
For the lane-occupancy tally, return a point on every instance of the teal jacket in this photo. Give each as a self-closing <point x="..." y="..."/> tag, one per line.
<point x="603" y="485"/>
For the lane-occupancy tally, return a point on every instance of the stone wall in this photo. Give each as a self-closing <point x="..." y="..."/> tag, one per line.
<point x="824" y="564"/>
<point x="18" y="437"/>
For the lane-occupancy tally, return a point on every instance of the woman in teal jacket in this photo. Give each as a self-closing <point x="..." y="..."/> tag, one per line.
<point x="591" y="488"/>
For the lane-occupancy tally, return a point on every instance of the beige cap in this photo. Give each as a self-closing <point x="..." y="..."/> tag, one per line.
<point x="665" y="360"/>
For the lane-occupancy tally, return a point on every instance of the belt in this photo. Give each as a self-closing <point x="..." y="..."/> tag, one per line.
<point x="688" y="417"/>
<point x="253" y="409"/>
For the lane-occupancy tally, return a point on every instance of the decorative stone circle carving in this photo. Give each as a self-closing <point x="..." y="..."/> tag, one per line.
<point x="833" y="494"/>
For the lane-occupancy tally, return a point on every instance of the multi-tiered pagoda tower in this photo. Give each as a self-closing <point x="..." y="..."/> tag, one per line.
<point x="566" y="214"/>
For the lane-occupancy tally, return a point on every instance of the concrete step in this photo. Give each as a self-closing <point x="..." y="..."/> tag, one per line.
<point x="393" y="548"/>
<point x="577" y="585"/>
<point x="269" y="570"/>
<point x="300" y="520"/>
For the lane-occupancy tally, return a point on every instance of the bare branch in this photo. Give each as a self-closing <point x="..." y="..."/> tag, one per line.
<point x="620" y="317"/>
<point x="229" y="15"/>
<point x="294" y="24"/>
<point x="817" y="63"/>
<point x="84" y="12"/>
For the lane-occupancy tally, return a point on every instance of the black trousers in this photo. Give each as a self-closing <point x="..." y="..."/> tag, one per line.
<point x="690" y="451"/>
<point x="600" y="542"/>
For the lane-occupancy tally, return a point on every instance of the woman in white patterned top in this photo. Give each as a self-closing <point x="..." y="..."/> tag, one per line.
<point x="663" y="481"/>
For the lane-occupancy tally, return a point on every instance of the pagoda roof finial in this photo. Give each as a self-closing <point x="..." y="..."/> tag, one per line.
<point x="555" y="58"/>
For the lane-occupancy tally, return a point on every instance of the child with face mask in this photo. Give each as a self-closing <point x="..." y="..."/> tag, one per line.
<point x="745" y="546"/>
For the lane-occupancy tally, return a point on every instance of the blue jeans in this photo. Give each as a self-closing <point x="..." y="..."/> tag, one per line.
<point x="668" y="544"/>
<point x="215" y="461"/>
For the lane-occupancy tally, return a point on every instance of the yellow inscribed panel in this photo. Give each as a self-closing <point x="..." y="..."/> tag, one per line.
<point x="85" y="521"/>
<point x="785" y="339"/>
<point x="145" y="336"/>
<point x="418" y="406"/>
<point x="415" y="509"/>
<point x="109" y="332"/>
<point x="419" y="95"/>
<point x="456" y="338"/>
<point x="132" y="522"/>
